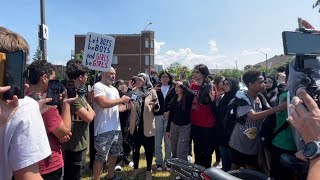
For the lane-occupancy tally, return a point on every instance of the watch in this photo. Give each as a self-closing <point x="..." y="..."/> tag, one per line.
<point x="311" y="150"/>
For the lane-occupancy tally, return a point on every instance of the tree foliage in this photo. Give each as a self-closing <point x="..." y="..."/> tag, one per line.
<point x="37" y="55"/>
<point x="236" y="73"/>
<point x="175" y="69"/>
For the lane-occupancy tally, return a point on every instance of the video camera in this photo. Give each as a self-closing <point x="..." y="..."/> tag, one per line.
<point x="305" y="46"/>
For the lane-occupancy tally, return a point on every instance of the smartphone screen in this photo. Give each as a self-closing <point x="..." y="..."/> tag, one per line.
<point x="71" y="89"/>
<point x="54" y="92"/>
<point x="14" y="74"/>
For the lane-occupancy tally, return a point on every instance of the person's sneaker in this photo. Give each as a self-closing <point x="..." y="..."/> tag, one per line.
<point x="131" y="164"/>
<point x="189" y="159"/>
<point x="178" y="177"/>
<point x="118" y="168"/>
<point x="159" y="168"/>
<point x="168" y="168"/>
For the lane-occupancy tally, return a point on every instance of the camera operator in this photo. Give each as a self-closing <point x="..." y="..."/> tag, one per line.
<point x="305" y="117"/>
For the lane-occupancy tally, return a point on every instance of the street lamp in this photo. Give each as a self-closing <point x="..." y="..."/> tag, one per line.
<point x="141" y="43"/>
<point x="266" y="58"/>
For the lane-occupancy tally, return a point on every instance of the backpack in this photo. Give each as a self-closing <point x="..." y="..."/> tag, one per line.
<point x="230" y="119"/>
<point x="267" y="133"/>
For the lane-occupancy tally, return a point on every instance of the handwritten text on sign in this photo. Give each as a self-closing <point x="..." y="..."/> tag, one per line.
<point x="98" y="51"/>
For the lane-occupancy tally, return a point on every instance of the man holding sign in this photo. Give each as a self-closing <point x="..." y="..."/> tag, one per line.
<point x="107" y="129"/>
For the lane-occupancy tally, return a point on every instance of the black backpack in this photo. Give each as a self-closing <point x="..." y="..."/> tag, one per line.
<point x="230" y="119"/>
<point x="267" y="133"/>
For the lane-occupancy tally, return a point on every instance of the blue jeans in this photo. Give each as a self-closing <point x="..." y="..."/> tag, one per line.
<point x="225" y="158"/>
<point x="161" y="125"/>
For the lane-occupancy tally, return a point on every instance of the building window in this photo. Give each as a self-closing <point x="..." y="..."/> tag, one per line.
<point x="146" y="43"/>
<point x="115" y="60"/>
<point x="146" y="60"/>
<point x="151" y="60"/>
<point x="151" y="43"/>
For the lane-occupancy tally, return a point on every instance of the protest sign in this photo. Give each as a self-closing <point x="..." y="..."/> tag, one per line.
<point x="98" y="51"/>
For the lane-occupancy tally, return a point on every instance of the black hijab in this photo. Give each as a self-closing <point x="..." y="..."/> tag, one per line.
<point x="274" y="85"/>
<point x="234" y="85"/>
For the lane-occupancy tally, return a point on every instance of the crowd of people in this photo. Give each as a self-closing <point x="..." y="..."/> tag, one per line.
<point x="40" y="141"/>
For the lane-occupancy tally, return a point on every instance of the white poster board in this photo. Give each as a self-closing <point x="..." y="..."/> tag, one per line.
<point x="98" y="51"/>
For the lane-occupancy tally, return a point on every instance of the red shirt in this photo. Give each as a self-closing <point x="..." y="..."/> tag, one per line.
<point x="201" y="115"/>
<point x="52" y="121"/>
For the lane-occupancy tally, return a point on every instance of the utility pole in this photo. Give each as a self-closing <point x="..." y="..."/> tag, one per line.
<point x="43" y="31"/>
<point x="266" y="59"/>
<point x="141" y="46"/>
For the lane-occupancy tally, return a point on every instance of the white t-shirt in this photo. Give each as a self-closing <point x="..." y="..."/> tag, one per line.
<point x="106" y="119"/>
<point x="164" y="90"/>
<point x="23" y="139"/>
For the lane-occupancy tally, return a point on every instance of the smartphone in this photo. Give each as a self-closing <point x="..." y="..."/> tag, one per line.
<point x="301" y="43"/>
<point x="133" y="80"/>
<point x="14" y="74"/>
<point x="159" y="84"/>
<point x="71" y="89"/>
<point x="53" y="92"/>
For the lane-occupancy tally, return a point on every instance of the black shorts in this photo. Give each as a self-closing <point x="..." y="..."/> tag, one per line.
<point x="242" y="160"/>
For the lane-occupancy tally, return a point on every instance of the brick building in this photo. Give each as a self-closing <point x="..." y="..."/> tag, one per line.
<point x="133" y="53"/>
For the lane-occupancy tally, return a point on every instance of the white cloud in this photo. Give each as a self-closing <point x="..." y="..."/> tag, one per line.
<point x="186" y="57"/>
<point x="213" y="49"/>
<point x="213" y="59"/>
<point x="157" y="46"/>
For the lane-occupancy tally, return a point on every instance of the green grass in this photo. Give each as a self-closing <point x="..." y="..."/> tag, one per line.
<point x="125" y="173"/>
<point x="126" y="170"/>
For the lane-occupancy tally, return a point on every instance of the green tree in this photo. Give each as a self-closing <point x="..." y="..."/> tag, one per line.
<point x="176" y="69"/>
<point x="248" y="67"/>
<point x="37" y="55"/>
<point x="236" y="73"/>
<point x="79" y="56"/>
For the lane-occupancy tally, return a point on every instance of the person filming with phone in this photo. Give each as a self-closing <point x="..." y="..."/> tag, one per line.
<point x="41" y="78"/>
<point x="82" y="114"/>
<point x="305" y="117"/>
<point x="23" y="139"/>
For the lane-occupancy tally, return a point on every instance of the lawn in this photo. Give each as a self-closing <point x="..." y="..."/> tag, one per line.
<point x="125" y="173"/>
<point x="126" y="170"/>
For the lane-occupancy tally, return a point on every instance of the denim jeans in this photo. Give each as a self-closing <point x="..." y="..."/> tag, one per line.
<point x="225" y="158"/>
<point x="161" y="125"/>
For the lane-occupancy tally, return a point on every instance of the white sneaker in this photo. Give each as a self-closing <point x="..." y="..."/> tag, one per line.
<point x="118" y="168"/>
<point x="131" y="164"/>
<point x="178" y="177"/>
<point x="189" y="158"/>
<point x="159" y="168"/>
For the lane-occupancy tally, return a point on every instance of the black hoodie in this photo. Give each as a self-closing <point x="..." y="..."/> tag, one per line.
<point x="221" y="110"/>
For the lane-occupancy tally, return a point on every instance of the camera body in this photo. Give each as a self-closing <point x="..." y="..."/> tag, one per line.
<point x="305" y="46"/>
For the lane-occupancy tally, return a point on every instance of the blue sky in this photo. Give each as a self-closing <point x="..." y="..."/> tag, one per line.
<point x="214" y="32"/>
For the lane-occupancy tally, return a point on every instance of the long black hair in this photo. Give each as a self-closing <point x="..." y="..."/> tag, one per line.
<point x="206" y="86"/>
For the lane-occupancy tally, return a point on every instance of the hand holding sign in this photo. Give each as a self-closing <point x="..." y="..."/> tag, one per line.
<point x="98" y="51"/>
